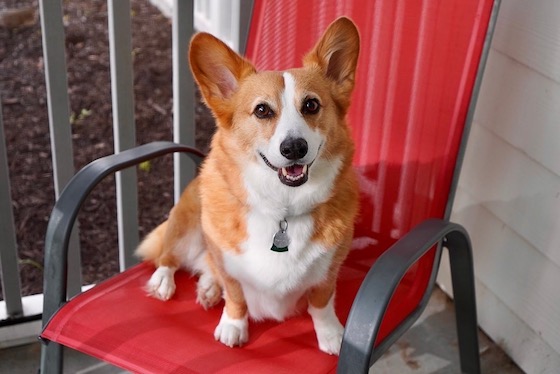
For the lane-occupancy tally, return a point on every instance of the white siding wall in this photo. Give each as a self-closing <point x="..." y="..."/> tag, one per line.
<point x="220" y="18"/>
<point x="217" y="17"/>
<point x="509" y="191"/>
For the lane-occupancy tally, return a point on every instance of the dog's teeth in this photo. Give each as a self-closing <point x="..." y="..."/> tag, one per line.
<point x="285" y="172"/>
<point x="294" y="178"/>
<point x="304" y="169"/>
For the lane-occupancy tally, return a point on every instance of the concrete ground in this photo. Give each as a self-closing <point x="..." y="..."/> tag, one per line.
<point x="429" y="347"/>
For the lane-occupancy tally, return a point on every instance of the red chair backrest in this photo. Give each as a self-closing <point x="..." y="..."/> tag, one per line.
<point x="416" y="72"/>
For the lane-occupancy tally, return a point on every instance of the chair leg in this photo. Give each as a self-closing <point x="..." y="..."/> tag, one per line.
<point x="51" y="358"/>
<point x="462" y="276"/>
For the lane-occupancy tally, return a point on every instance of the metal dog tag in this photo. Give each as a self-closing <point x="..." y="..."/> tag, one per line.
<point x="281" y="240"/>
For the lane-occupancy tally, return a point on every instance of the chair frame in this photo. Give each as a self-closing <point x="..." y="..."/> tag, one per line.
<point x="357" y="352"/>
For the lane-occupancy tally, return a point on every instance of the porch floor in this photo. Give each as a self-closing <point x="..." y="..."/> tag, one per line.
<point x="430" y="346"/>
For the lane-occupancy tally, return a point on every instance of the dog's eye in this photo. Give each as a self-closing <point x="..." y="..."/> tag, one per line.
<point x="263" y="111"/>
<point x="310" y="106"/>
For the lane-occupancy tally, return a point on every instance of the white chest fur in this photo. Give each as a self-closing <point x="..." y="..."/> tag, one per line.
<point x="273" y="282"/>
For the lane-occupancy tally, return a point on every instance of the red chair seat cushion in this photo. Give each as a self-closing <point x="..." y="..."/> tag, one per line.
<point x="115" y="321"/>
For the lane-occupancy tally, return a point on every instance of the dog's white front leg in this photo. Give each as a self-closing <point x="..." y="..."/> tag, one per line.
<point x="161" y="284"/>
<point x="232" y="332"/>
<point x="328" y="328"/>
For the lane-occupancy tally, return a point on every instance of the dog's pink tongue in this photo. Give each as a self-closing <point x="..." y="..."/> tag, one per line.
<point x="295" y="170"/>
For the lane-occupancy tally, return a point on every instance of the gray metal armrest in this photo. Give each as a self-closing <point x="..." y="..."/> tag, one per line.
<point x="66" y="209"/>
<point x="67" y="206"/>
<point x="357" y="352"/>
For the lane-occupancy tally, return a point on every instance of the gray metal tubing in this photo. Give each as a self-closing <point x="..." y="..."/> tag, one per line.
<point x="63" y="217"/>
<point x="472" y="108"/>
<point x="357" y="353"/>
<point x="462" y="277"/>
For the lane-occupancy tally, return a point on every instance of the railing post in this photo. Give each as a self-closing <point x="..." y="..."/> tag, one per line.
<point x="52" y="29"/>
<point x="183" y="92"/>
<point x="123" y="126"/>
<point x="245" y="14"/>
<point x="9" y="269"/>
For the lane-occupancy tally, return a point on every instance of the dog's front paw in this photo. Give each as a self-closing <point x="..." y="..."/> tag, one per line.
<point x="232" y="332"/>
<point x="330" y="338"/>
<point x="161" y="284"/>
<point x="328" y="328"/>
<point x="208" y="291"/>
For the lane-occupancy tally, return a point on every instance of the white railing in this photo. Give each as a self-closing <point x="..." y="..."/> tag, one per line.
<point x="227" y="19"/>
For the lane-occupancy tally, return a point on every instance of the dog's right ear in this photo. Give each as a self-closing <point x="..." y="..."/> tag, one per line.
<point x="216" y="68"/>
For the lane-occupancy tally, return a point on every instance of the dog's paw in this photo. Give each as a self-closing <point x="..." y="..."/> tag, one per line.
<point x="232" y="332"/>
<point x="208" y="292"/>
<point x="328" y="328"/>
<point x="161" y="284"/>
<point x="330" y="338"/>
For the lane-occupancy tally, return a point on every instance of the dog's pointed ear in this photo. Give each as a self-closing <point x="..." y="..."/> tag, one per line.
<point x="216" y="68"/>
<point x="336" y="53"/>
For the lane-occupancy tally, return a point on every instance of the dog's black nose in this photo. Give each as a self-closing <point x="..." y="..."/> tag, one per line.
<point x="293" y="148"/>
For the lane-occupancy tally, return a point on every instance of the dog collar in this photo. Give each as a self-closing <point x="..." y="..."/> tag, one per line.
<point x="281" y="240"/>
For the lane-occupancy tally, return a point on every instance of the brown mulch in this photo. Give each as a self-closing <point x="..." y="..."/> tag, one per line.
<point x="23" y="98"/>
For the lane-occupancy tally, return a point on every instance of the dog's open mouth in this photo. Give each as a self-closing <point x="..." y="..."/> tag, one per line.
<point x="293" y="176"/>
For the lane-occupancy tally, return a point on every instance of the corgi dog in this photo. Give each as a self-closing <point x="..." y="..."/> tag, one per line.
<point x="269" y="219"/>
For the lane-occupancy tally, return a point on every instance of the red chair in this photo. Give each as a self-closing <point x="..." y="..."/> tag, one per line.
<point x="419" y="72"/>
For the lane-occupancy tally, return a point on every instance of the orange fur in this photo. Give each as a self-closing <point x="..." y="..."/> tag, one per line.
<point x="151" y="248"/>
<point x="159" y="246"/>
<point x="223" y="197"/>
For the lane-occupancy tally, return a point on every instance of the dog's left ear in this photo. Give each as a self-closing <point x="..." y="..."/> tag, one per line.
<point x="336" y="54"/>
